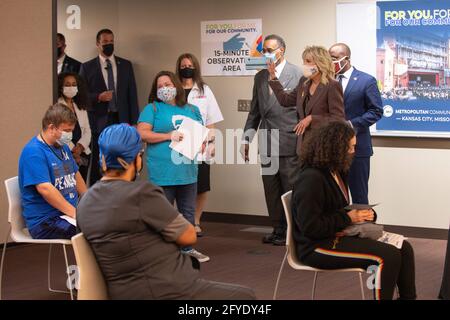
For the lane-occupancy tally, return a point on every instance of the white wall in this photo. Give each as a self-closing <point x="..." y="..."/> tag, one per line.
<point x="408" y="175"/>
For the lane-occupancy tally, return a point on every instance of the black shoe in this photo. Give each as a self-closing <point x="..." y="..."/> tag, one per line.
<point x="279" y="240"/>
<point x="268" y="238"/>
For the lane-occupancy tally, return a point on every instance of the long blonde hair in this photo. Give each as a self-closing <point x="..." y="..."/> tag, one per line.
<point x="322" y="59"/>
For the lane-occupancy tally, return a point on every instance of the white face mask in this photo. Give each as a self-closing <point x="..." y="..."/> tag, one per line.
<point x="70" y="92"/>
<point x="309" y="71"/>
<point x="166" y="94"/>
<point x="66" y="138"/>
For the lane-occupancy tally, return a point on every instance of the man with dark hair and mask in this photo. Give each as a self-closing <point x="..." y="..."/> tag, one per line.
<point x="363" y="108"/>
<point x="64" y="62"/>
<point x="112" y="91"/>
<point x="49" y="180"/>
<point x="136" y="233"/>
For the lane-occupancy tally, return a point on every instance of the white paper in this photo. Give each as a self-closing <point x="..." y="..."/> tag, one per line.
<point x="194" y="134"/>
<point x="393" y="239"/>
<point x="71" y="220"/>
<point x="358" y="206"/>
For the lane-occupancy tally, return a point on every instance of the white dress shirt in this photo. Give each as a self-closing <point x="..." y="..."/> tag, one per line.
<point x="279" y="69"/>
<point x="60" y="62"/>
<point x="104" y="66"/>
<point x="346" y="77"/>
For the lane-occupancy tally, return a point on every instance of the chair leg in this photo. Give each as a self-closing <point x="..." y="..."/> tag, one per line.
<point x="49" y="273"/>
<point x="314" y="285"/>
<point x="362" y="286"/>
<point x="279" y="276"/>
<point x="3" y="260"/>
<point x="69" y="282"/>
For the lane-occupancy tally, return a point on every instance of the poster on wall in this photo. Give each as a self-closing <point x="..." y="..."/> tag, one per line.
<point x="413" y="67"/>
<point x="226" y="44"/>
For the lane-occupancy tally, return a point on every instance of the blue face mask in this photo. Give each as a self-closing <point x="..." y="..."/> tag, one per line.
<point x="271" y="56"/>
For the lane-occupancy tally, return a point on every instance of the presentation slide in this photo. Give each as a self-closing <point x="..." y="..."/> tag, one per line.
<point x="405" y="46"/>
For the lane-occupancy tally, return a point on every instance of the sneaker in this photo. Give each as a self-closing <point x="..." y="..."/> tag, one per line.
<point x="197" y="255"/>
<point x="198" y="230"/>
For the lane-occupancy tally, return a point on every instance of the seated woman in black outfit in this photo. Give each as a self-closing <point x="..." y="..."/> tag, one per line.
<point x="319" y="197"/>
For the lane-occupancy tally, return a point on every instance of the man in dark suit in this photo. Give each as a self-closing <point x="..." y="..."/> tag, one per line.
<point x="64" y="62"/>
<point x="363" y="107"/>
<point x="278" y="147"/>
<point x="112" y="92"/>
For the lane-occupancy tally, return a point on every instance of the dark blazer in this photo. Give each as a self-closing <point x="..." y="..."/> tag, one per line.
<point x="71" y="65"/>
<point x="363" y="107"/>
<point x="326" y="104"/>
<point x="317" y="209"/>
<point x="127" y="101"/>
<point x="266" y="113"/>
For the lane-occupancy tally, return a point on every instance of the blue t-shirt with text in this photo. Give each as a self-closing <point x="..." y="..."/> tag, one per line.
<point x="40" y="163"/>
<point x="162" y="170"/>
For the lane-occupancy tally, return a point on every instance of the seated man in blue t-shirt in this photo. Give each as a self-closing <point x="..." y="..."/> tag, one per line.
<point x="49" y="179"/>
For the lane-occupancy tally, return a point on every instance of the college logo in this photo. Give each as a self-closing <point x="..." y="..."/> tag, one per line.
<point x="388" y="111"/>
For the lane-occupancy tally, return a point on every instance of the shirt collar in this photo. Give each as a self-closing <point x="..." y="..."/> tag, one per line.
<point x="347" y="74"/>
<point x="60" y="60"/>
<point x="195" y="87"/>
<point x="62" y="101"/>
<point x="279" y="68"/>
<point x="103" y="59"/>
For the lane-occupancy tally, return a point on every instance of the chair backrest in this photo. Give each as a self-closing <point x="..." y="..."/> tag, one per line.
<point x="92" y="285"/>
<point x="290" y="242"/>
<point x="15" y="217"/>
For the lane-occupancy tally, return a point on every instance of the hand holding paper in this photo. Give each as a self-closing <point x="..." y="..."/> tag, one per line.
<point x="194" y="134"/>
<point x="358" y="206"/>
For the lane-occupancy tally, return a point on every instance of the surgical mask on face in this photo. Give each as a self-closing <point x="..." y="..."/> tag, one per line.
<point x="108" y="49"/>
<point x="66" y="138"/>
<point x="60" y="51"/>
<point x="340" y="64"/>
<point x="166" y="94"/>
<point x="187" y="73"/>
<point x="309" y="71"/>
<point x="272" y="56"/>
<point x="70" y="92"/>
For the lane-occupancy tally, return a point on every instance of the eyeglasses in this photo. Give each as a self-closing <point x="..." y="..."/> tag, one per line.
<point x="269" y="50"/>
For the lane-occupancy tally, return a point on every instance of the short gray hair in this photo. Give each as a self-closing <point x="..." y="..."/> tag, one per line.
<point x="279" y="39"/>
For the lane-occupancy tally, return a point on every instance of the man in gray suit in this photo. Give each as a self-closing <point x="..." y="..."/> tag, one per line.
<point x="277" y="149"/>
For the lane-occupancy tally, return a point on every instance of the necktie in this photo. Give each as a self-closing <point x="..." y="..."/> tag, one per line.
<point x="111" y="86"/>
<point x="340" y="77"/>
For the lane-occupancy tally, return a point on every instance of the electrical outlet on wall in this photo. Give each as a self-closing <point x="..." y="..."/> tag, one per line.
<point x="244" y="105"/>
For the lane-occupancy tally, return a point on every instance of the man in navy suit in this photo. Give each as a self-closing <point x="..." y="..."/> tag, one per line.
<point x="363" y="107"/>
<point x="64" y="62"/>
<point x="112" y="92"/>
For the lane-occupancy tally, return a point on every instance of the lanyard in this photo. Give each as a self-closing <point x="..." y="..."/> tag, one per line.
<point x="58" y="156"/>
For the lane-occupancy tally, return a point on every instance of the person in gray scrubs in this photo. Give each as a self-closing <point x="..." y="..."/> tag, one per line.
<point x="136" y="234"/>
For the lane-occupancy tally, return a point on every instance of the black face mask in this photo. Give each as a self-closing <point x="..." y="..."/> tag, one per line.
<point x="108" y="49"/>
<point x="59" y="51"/>
<point x="187" y="73"/>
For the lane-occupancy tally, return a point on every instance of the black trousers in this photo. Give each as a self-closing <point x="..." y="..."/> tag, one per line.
<point x="275" y="185"/>
<point x="113" y="118"/>
<point x="390" y="266"/>
<point x="445" y="287"/>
